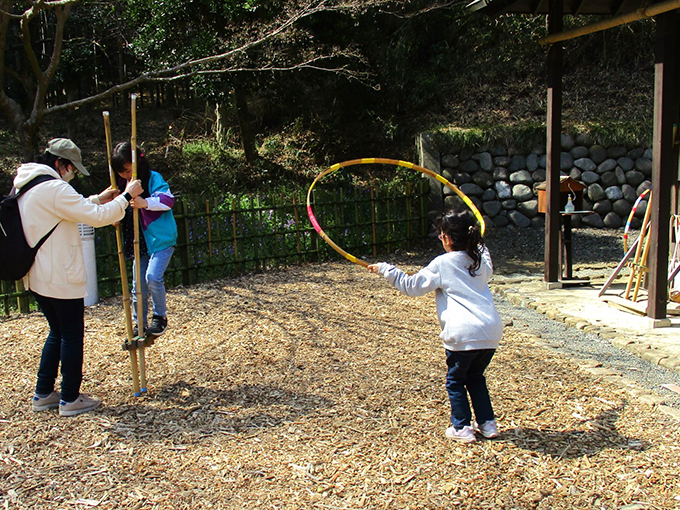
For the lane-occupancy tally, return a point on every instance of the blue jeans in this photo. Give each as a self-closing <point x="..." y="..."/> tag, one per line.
<point x="466" y="375"/>
<point x="64" y="344"/>
<point x="153" y="268"/>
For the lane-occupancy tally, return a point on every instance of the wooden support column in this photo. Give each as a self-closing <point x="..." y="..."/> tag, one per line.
<point x="554" y="146"/>
<point x="664" y="159"/>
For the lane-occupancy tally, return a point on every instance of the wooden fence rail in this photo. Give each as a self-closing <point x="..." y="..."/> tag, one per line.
<point x="226" y="237"/>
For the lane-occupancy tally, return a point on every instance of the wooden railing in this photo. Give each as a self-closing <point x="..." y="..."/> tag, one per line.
<point x="226" y="237"/>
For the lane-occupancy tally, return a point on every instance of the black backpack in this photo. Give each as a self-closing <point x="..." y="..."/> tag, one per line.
<point x="16" y="256"/>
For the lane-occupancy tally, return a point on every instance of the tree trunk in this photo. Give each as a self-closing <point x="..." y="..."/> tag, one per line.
<point x="219" y="129"/>
<point x="28" y="136"/>
<point x="243" y="115"/>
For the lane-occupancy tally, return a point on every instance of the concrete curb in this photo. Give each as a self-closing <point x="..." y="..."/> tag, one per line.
<point x="509" y="289"/>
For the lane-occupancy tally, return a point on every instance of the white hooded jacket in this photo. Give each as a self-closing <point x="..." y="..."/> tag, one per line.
<point x="467" y="314"/>
<point x="59" y="268"/>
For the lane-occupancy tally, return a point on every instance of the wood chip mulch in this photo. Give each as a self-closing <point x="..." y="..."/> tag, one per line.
<point x="320" y="387"/>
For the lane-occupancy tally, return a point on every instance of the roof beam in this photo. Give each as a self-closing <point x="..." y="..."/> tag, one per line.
<point x="616" y="7"/>
<point x="577" y="7"/>
<point x="644" y="13"/>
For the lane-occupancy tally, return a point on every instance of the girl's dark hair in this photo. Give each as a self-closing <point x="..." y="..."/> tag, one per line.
<point x="465" y="233"/>
<point x="49" y="159"/>
<point x="122" y="155"/>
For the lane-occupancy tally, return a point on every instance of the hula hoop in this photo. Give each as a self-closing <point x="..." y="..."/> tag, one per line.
<point x="367" y="161"/>
<point x="630" y="219"/>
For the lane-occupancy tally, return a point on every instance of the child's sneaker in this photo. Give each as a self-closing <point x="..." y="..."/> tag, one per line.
<point x="488" y="429"/>
<point x="158" y="326"/>
<point x="51" y="401"/>
<point x="464" y="435"/>
<point x="82" y="404"/>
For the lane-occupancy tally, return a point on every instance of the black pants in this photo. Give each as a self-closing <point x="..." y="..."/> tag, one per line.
<point x="64" y="344"/>
<point x="466" y="375"/>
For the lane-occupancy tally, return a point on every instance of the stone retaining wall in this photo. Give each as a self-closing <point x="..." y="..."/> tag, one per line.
<point x="503" y="185"/>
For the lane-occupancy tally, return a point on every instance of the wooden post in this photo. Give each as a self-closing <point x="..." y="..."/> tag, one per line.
<point x="297" y="226"/>
<point x="409" y="215"/>
<point x="664" y="161"/>
<point x="233" y="227"/>
<point x="22" y="297"/>
<point x="554" y="145"/>
<point x="314" y="239"/>
<point x="183" y="244"/>
<point x="210" y="260"/>
<point x="373" y="229"/>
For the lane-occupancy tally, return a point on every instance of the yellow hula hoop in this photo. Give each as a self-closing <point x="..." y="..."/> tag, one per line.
<point x="384" y="161"/>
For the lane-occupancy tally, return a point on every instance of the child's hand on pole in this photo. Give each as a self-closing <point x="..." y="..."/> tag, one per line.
<point x="373" y="268"/>
<point x="134" y="188"/>
<point x="139" y="203"/>
<point x="107" y="195"/>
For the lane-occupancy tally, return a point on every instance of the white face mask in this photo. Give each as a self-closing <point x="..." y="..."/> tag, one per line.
<point x="69" y="175"/>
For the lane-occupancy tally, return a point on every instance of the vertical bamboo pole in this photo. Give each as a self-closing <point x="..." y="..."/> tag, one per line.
<point x="123" y="272"/>
<point x="275" y="222"/>
<point x="388" y="230"/>
<point x="218" y="236"/>
<point x="357" y="219"/>
<point x="210" y="261"/>
<point x="138" y="256"/>
<point x="409" y="215"/>
<point x="373" y="227"/>
<point x="233" y="228"/>
<point x="185" y="245"/>
<point x="641" y="244"/>
<point x="297" y="226"/>
<point x="22" y="297"/>
<point x="643" y="267"/>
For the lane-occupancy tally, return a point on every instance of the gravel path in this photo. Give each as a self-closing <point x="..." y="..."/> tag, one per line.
<point x="596" y="253"/>
<point x="580" y="345"/>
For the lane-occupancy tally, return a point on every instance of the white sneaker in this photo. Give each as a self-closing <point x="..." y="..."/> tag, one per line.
<point x="464" y="435"/>
<point x="82" y="404"/>
<point x="51" y="401"/>
<point x="488" y="429"/>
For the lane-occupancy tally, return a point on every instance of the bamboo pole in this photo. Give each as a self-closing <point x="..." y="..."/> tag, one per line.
<point x="138" y="257"/>
<point x="297" y="226"/>
<point x="373" y="227"/>
<point x="409" y="214"/>
<point x="643" y="267"/>
<point x="233" y="230"/>
<point x="643" y="13"/>
<point x="210" y="259"/>
<point x="123" y="271"/>
<point x="640" y="248"/>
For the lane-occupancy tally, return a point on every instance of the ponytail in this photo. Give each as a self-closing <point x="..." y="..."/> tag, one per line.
<point x="465" y="234"/>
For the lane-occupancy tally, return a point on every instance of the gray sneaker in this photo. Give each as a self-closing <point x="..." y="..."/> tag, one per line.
<point x="464" y="435"/>
<point x="488" y="429"/>
<point x="82" y="404"/>
<point x="51" y="401"/>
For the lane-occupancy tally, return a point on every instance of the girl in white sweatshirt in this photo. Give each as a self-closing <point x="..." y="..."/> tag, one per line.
<point x="471" y="325"/>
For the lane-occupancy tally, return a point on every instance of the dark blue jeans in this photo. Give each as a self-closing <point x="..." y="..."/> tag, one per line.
<point x="64" y="344"/>
<point x="466" y="375"/>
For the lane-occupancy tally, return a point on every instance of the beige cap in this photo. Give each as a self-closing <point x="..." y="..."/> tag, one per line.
<point x="65" y="148"/>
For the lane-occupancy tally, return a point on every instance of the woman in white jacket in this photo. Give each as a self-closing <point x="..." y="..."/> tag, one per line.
<point x="57" y="278"/>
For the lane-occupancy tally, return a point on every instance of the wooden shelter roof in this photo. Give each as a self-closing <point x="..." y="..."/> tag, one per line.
<point x="575" y="7"/>
<point x="665" y="182"/>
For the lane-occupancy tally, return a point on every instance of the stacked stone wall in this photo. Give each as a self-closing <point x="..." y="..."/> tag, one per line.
<point x="503" y="185"/>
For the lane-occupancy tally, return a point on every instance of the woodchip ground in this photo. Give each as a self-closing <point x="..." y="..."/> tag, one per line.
<point x="320" y="387"/>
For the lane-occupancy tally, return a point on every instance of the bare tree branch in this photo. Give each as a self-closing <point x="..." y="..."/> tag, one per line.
<point x="177" y="72"/>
